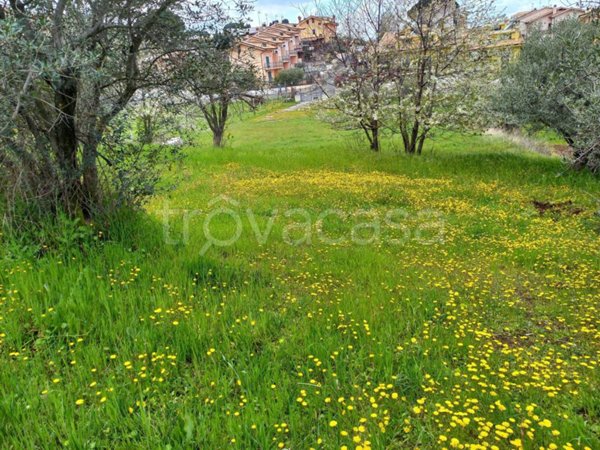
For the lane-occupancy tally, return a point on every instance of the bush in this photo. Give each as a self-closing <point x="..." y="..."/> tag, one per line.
<point x="289" y="77"/>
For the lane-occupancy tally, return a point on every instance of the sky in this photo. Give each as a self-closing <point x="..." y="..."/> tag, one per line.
<point x="268" y="10"/>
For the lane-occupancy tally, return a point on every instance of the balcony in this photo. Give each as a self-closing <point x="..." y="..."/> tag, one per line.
<point x="273" y="65"/>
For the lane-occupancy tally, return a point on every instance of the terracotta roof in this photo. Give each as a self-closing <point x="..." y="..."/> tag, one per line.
<point x="290" y="27"/>
<point x="534" y="15"/>
<point x="563" y="11"/>
<point x="323" y="18"/>
<point x="270" y="41"/>
<point x="537" y="14"/>
<point x="259" y="47"/>
<point x="275" y="34"/>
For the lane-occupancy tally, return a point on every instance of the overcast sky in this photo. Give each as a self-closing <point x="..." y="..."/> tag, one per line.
<point x="267" y="10"/>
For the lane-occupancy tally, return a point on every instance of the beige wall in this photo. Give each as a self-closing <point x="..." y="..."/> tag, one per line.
<point x="256" y="57"/>
<point x="270" y="50"/>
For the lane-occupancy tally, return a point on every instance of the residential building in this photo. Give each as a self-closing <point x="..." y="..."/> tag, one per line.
<point x="501" y="44"/>
<point x="504" y="42"/>
<point x="542" y="19"/>
<point x="494" y="46"/>
<point x="317" y="28"/>
<point x="270" y="49"/>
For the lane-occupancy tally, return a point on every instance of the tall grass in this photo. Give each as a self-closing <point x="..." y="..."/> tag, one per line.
<point x="487" y="336"/>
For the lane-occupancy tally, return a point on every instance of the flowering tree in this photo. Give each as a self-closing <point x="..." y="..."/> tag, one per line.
<point x="361" y="65"/>
<point x="408" y="66"/>
<point x="438" y="67"/>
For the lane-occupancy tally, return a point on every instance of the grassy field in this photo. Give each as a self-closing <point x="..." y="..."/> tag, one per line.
<point x="371" y="301"/>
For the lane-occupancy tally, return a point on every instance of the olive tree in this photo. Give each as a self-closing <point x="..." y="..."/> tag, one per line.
<point x="556" y="84"/>
<point x="67" y="70"/>
<point x="289" y="77"/>
<point x="209" y="78"/>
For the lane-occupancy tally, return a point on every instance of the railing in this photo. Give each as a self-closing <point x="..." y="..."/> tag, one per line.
<point x="273" y="65"/>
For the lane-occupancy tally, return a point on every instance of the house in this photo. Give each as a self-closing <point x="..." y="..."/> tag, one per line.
<point x="270" y="49"/>
<point x="505" y="41"/>
<point x="317" y="28"/>
<point x="542" y="19"/>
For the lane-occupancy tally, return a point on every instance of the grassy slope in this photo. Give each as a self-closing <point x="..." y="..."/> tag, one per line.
<point x="490" y="337"/>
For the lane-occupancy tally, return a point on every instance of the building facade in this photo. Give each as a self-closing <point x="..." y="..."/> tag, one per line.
<point x="317" y="28"/>
<point x="270" y="49"/>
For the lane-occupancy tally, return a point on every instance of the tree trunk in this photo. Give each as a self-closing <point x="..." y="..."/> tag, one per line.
<point x="216" y="112"/>
<point x="375" y="138"/>
<point x="414" y="138"/>
<point x="421" y="140"/>
<point x="66" y="144"/>
<point x="409" y="145"/>
<point x="405" y="138"/>
<point x="90" y="199"/>
<point x="92" y="129"/>
<point x="218" y="137"/>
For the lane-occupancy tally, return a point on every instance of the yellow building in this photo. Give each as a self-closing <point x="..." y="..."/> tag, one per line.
<point x="316" y="27"/>
<point x="502" y="45"/>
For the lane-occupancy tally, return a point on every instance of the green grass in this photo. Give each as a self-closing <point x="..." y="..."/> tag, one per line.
<point x="472" y="319"/>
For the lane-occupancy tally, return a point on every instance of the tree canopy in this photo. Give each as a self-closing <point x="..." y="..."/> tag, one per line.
<point x="67" y="70"/>
<point x="556" y="84"/>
